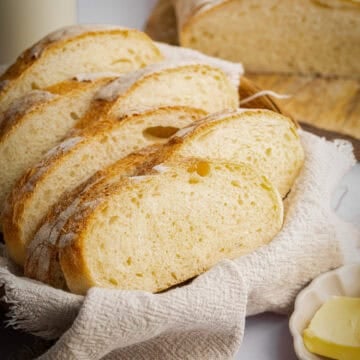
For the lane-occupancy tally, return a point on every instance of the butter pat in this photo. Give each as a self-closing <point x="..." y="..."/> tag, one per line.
<point x="334" y="331"/>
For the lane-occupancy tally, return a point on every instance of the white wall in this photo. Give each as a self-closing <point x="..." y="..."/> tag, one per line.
<point x="131" y="13"/>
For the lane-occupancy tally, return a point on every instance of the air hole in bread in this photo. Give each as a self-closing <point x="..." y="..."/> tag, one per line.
<point x="268" y="151"/>
<point x="159" y="132"/>
<point x="113" y="281"/>
<point x="74" y="116"/>
<point x="203" y="168"/>
<point x="139" y="274"/>
<point x="193" y="40"/>
<point x="121" y="61"/>
<point x="188" y="77"/>
<point x="113" y="220"/>
<point x="267" y="187"/>
<point x="174" y="275"/>
<point x="35" y="86"/>
<point x="129" y="261"/>
<point x="104" y="211"/>
<point x="235" y="183"/>
<point x="193" y="180"/>
<point x="104" y="139"/>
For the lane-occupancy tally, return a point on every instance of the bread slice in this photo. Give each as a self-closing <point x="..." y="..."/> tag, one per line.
<point x="170" y="83"/>
<point x="153" y="231"/>
<point x="75" y="160"/>
<point x="38" y="121"/>
<point x="76" y="49"/>
<point x="310" y="36"/>
<point x="42" y="254"/>
<point x="262" y="138"/>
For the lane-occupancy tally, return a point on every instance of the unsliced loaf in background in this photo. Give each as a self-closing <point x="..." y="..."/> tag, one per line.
<point x="153" y="231"/>
<point x="73" y="50"/>
<point x="38" y="121"/>
<point x="286" y="36"/>
<point x="76" y="159"/>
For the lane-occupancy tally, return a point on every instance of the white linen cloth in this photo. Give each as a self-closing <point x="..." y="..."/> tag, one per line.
<point x="205" y="318"/>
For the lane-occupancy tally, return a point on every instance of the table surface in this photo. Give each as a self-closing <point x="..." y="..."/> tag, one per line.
<point x="269" y="330"/>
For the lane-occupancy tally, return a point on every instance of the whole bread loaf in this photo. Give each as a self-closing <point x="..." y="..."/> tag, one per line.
<point x="288" y="36"/>
<point x="168" y="224"/>
<point x="73" y="50"/>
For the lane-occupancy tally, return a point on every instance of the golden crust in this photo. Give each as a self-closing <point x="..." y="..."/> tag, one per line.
<point x="27" y="59"/>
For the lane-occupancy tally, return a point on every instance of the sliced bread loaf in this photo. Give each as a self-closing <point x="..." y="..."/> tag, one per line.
<point x="75" y="160"/>
<point x="258" y="137"/>
<point x="38" y="121"/>
<point x="309" y="36"/>
<point x="73" y="50"/>
<point x="170" y="83"/>
<point x="152" y="231"/>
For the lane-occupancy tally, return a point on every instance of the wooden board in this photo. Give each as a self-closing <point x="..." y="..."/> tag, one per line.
<point x="328" y="103"/>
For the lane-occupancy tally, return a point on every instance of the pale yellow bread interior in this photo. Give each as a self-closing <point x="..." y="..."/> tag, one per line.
<point x="157" y="229"/>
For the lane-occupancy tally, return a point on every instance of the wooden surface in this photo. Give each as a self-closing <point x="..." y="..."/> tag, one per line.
<point x="327" y="103"/>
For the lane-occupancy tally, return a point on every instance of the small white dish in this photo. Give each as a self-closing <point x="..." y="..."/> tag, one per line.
<point x="344" y="281"/>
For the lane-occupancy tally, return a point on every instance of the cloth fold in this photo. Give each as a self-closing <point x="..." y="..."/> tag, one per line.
<point x="205" y="318"/>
